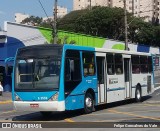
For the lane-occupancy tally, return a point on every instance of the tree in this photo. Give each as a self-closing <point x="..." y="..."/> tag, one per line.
<point x="68" y="21"/>
<point x="105" y="22"/>
<point x="109" y="23"/>
<point x="34" y="20"/>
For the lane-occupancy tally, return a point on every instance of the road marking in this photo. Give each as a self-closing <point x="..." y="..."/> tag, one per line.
<point x="115" y="120"/>
<point x="139" y="105"/>
<point x="69" y="120"/>
<point x="6" y="102"/>
<point x="130" y="114"/>
<point x="8" y="112"/>
<point x="145" y="111"/>
<point x="152" y="105"/>
<point x="130" y="106"/>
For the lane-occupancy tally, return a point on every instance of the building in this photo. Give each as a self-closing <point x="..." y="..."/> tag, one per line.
<point x="19" y="17"/>
<point x="48" y="19"/>
<point x="82" y="4"/>
<point x="61" y="11"/>
<point x="148" y="9"/>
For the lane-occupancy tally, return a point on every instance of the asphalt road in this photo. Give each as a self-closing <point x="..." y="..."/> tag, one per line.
<point x="146" y="112"/>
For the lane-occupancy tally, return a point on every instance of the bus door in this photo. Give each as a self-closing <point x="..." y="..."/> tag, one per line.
<point x="127" y="75"/>
<point x="101" y="76"/>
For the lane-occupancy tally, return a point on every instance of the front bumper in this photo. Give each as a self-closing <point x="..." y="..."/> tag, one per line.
<point x="42" y="106"/>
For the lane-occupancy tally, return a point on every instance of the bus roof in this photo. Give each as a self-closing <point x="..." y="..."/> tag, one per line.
<point x="77" y="47"/>
<point x="121" y="51"/>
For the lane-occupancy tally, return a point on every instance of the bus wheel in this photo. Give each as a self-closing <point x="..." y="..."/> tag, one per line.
<point x="138" y="95"/>
<point x="46" y="113"/>
<point x="88" y="103"/>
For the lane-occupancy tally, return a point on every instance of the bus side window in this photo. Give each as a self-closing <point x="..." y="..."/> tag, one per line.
<point x="67" y="70"/>
<point x="88" y="63"/>
<point x="118" y="64"/>
<point x="72" y="71"/>
<point x="149" y="64"/>
<point x="144" y="64"/>
<point x="72" y="66"/>
<point x="135" y="64"/>
<point x="110" y="64"/>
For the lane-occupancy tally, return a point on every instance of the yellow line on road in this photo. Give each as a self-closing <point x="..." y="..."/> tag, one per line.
<point x="115" y="120"/>
<point x="8" y="112"/>
<point x="139" y="105"/>
<point x="145" y="111"/>
<point x="130" y="114"/>
<point x="152" y="105"/>
<point x="6" y="102"/>
<point x="69" y="120"/>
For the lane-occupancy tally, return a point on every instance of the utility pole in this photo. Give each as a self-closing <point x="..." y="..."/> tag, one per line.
<point x="133" y="7"/>
<point x="125" y="25"/>
<point x="90" y="5"/>
<point x="54" y="32"/>
<point x="156" y="12"/>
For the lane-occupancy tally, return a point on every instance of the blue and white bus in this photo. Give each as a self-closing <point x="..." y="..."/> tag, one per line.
<point x="55" y="77"/>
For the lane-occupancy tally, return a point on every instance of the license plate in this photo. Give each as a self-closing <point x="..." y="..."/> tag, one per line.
<point x="34" y="105"/>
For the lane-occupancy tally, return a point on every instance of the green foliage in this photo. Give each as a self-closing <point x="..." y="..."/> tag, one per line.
<point x="33" y="19"/>
<point x="64" y="40"/>
<point x="104" y="22"/>
<point x="37" y="21"/>
<point x="109" y="23"/>
<point x="68" y="22"/>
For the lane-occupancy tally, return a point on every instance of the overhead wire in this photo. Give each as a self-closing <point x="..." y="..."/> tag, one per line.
<point x="46" y="14"/>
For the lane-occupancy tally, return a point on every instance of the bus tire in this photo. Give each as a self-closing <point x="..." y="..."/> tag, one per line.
<point x="138" y="94"/>
<point x="46" y="113"/>
<point x="88" y="103"/>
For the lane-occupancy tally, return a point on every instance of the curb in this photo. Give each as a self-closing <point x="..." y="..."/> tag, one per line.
<point x="6" y="102"/>
<point x="156" y="88"/>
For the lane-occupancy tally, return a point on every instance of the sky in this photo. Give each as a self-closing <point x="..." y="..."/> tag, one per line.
<point x="8" y="8"/>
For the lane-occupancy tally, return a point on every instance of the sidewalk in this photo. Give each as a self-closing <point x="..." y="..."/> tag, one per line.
<point x="6" y="98"/>
<point x="155" y="97"/>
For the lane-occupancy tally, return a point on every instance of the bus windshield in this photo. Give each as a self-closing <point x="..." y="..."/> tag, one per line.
<point x="38" y="68"/>
<point x="37" y="74"/>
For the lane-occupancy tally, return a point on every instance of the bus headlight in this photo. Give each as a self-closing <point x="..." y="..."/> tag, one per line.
<point x="54" y="97"/>
<point x="17" y="98"/>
